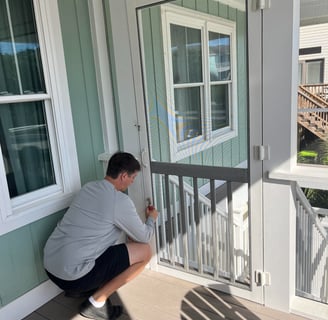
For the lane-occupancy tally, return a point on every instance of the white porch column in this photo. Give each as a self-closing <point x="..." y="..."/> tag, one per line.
<point x="280" y="65"/>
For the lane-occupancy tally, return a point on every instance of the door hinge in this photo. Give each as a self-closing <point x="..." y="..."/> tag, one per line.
<point x="262" y="278"/>
<point x="261" y="4"/>
<point x="261" y="153"/>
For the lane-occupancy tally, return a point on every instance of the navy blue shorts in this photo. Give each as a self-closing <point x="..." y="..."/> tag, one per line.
<point x="107" y="266"/>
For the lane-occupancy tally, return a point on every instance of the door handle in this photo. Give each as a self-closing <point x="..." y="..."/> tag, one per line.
<point x="144" y="158"/>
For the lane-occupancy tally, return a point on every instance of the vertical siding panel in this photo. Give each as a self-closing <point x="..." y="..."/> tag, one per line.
<point x="74" y="40"/>
<point x="160" y="86"/>
<point x="113" y="72"/>
<point x="202" y="6"/>
<point x="223" y="10"/>
<point x="152" y="107"/>
<point x="178" y="2"/>
<point x="213" y="8"/>
<point x="90" y="85"/>
<point x="227" y="153"/>
<point x="17" y="273"/>
<point x="187" y="160"/>
<point x="242" y="86"/>
<point x="76" y="84"/>
<point x="197" y="158"/>
<point x="235" y="151"/>
<point x="208" y="157"/>
<point x="232" y="13"/>
<point x="191" y="4"/>
<point x="218" y="155"/>
<point x="237" y="143"/>
<point x="227" y="146"/>
<point x="40" y="232"/>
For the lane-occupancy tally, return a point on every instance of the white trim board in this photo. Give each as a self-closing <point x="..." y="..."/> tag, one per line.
<point x="309" y="308"/>
<point x="32" y="300"/>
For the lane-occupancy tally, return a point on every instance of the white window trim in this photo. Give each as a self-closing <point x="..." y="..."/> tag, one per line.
<point x="191" y="18"/>
<point x="25" y="209"/>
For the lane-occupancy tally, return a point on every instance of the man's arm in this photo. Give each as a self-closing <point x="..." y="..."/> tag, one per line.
<point x="129" y="221"/>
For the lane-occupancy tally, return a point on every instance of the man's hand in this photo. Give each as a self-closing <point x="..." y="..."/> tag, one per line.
<point x="151" y="212"/>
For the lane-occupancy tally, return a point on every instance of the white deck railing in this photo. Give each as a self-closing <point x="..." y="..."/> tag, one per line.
<point x="311" y="252"/>
<point x="201" y="235"/>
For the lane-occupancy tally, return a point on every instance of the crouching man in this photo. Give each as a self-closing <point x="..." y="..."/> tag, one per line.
<point x="82" y="256"/>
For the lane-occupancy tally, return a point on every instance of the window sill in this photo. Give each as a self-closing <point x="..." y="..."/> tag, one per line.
<point x="192" y="146"/>
<point x="32" y="213"/>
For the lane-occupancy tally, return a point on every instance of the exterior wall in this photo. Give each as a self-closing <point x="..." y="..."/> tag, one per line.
<point x="230" y="153"/>
<point x="21" y="258"/>
<point x="21" y="251"/>
<point x="311" y="36"/>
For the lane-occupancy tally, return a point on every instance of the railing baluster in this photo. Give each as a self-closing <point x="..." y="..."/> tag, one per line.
<point x="214" y="230"/>
<point x="169" y="219"/>
<point x="175" y="222"/>
<point x="184" y="225"/>
<point x="157" y="225"/>
<point x="198" y="227"/>
<point x="231" y="233"/>
<point x="163" y="247"/>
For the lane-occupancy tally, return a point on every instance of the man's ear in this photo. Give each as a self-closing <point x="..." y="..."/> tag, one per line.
<point x="123" y="175"/>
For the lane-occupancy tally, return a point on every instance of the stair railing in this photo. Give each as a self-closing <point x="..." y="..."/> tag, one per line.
<point x="311" y="252"/>
<point x="313" y="112"/>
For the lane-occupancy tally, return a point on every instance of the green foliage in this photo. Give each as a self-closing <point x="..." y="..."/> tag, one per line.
<point x="317" y="198"/>
<point x="316" y="152"/>
<point x="307" y="156"/>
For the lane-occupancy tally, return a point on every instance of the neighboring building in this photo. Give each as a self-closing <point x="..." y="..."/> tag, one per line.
<point x="313" y="54"/>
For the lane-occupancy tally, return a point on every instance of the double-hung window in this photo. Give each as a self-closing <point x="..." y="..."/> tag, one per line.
<point x="38" y="171"/>
<point x="200" y="64"/>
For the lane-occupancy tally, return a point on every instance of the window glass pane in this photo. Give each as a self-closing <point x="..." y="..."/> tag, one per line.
<point x="314" y="72"/>
<point x="20" y="62"/>
<point x="186" y="54"/>
<point x="220" y="106"/>
<point x="219" y="59"/>
<point x="8" y="74"/>
<point x="25" y="147"/>
<point x="188" y="113"/>
<point x="300" y="72"/>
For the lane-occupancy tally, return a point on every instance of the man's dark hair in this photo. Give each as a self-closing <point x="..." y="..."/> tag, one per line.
<point x="122" y="162"/>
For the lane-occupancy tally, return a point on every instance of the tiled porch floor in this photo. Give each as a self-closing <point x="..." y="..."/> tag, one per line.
<point x="154" y="296"/>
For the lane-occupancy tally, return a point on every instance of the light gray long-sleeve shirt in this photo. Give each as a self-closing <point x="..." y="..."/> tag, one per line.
<point x="95" y="221"/>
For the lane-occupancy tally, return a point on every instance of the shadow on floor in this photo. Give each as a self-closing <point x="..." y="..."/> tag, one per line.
<point x="205" y="303"/>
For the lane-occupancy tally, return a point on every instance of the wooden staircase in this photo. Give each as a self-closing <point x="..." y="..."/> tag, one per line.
<point x="313" y="109"/>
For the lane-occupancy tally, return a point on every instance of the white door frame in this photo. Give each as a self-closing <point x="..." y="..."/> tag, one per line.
<point x="280" y="80"/>
<point x="131" y="100"/>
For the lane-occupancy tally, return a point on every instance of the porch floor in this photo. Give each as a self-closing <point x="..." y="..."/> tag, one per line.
<point x="153" y="295"/>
